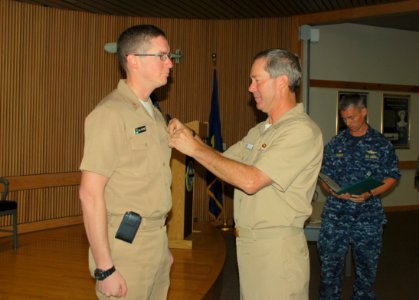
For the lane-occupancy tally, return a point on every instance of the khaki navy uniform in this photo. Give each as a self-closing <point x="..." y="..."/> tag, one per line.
<point x="124" y="143"/>
<point x="272" y="250"/>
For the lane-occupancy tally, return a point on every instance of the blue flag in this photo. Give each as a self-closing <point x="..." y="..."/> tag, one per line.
<point x="214" y="186"/>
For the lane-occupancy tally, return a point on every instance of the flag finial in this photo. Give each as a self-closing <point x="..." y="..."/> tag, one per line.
<point x="214" y="58"/>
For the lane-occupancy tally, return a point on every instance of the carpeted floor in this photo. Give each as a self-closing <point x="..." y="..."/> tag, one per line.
<point x="398" y="269"/>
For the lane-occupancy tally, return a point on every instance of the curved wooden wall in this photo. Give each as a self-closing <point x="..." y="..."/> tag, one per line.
<point x="54" y="71"/>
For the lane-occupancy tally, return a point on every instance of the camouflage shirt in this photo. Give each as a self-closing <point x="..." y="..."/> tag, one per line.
<point x="348" y="159"/>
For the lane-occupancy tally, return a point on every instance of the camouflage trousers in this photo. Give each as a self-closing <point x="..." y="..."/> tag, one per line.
<point x="333" y="244"/>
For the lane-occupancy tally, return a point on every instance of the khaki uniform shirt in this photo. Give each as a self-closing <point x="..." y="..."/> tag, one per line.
<point x="124" y="143"/>
<point x="290" y="153"/>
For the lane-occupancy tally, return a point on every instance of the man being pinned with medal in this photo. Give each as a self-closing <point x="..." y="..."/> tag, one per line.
<point x="126" y="177"/>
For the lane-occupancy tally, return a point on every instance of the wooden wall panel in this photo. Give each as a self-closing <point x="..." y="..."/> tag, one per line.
<point x="54" y="71"/>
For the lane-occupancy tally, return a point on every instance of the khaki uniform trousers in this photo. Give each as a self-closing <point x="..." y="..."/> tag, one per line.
<point x="144" y="264"/>
<point x="273" y="264"/>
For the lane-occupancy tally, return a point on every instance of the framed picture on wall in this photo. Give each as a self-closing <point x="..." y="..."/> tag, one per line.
<point x="340" y="125"/>
<point x="395" y="121"/>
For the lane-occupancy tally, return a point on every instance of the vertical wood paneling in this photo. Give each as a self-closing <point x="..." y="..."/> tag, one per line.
<point x="54" y="71"/>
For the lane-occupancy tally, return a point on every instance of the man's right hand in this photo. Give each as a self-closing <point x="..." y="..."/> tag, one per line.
<point x="114" y="285"/>
<point x="174" y="125"/>
<point x="182" y="138"/>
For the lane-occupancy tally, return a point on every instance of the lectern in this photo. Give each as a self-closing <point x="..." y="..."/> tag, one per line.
<point x="179" y="224"/>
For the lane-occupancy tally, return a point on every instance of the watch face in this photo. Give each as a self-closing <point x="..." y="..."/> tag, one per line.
<point x="98" y="274"/>
<point x="101" y="275"/>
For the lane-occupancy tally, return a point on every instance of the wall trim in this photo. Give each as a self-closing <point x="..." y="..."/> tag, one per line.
<point x="364" y="86"/>
<point x="401" y="208"/>
<point x="39" y="181"/>
<point x="46" y="224"/>
<point x="407" y="165"/>
<point x="344" y="15"/>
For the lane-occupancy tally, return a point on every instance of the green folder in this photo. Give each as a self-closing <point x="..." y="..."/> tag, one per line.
<point x="357" y="188"/>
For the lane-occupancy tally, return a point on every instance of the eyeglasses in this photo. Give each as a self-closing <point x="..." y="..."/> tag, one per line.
<point x="163" y="56"/>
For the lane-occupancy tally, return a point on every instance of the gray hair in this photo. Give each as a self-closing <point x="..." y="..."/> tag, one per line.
<point x="281" y="62"/>
<point x="136" y="38"/>
<point x="354" y="99"/>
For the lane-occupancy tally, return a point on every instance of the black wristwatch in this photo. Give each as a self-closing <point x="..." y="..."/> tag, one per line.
<point x="102" y="275"/>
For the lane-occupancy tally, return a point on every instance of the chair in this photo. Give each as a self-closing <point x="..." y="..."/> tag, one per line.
<point x="8" y="207"/>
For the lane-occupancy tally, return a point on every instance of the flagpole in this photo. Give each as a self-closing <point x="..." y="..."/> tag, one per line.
<point x="224" y="226"/>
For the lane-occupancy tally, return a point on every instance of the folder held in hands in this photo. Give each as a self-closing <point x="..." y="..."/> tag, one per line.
<point x="357" y="188"/>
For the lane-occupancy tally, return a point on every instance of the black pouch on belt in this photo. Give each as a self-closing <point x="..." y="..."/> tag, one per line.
<point x="128" y="227"/>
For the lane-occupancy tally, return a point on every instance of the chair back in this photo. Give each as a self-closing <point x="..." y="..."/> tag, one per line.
<point x="5" y="191"/>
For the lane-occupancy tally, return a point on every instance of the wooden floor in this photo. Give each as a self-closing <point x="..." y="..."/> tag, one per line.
<point x="52" y="264"/>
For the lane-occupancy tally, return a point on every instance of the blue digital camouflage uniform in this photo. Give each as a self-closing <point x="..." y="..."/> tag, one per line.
<point x="348" y="159"/>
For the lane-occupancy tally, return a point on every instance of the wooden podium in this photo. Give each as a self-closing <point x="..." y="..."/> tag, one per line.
<point x="179" y="223"/>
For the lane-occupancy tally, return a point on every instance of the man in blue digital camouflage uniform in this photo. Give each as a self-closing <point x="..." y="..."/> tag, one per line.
<point x="357" y="152"/>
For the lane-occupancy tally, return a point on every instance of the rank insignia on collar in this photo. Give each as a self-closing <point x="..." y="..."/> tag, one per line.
<point x="263" y="147"/>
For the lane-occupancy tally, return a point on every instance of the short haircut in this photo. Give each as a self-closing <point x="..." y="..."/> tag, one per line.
<point x="281" y="62"/>
<point x="354" y="99"/>
<point x="136" y="39"/>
